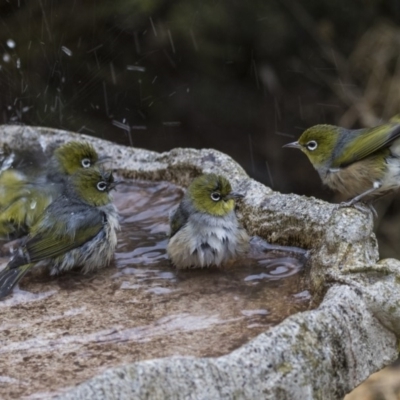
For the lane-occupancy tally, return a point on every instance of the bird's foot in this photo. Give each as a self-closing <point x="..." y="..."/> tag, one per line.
<point x="360" y="206"/>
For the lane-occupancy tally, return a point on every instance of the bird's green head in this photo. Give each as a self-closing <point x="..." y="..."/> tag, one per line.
<point x="212" y="194"/>
<point x="318" y="143"/>
<point x="92" y="185"/>
<point x="75" y="155"/>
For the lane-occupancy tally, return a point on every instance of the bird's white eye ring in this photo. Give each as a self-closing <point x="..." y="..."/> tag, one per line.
<point x="86" y="163"/>
<point x="215" y="196"/>
<point x="102" y="186"/>
<point x="312" y="145"/>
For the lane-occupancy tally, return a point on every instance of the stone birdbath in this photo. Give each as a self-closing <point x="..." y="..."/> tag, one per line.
<point x="348" y="331"/>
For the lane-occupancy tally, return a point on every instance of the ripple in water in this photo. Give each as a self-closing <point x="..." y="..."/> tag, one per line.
<point x="276" y="269"/>
<point x="144" y="209"/>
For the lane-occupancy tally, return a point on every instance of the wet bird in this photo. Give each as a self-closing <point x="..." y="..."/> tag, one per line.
<point x="70" y="157"/>
<point x="360" y="164"/>
<point x="63" y="160"/>
<point x="77" y="230"/>
<point x="29" y="183"/>
<point x="204" y="230"/>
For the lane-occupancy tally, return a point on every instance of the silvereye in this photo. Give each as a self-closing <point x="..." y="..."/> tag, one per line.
<point x="360" y="164"/>
<point x="64" y="160"/>
<point x="70" y="157"/>
<point x="27" y="188"/>
<point x="204" y="230"/>
<point x="77" y="229"/>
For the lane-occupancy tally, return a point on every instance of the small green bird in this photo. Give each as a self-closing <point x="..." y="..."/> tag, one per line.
<point x="204" y="230"/>
<point x="360" y="164"/>
<point x="77" y="229"/>
<point x="64" y="159"/>
<point x="70" y="157"/>
<point x="28" y="184"/>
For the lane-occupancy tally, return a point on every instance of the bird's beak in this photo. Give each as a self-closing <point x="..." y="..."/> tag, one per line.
<point x="234" y="196"/>
<point x="115" y="184"/>
<point x="103" y="159"/>
<point x="294" y="145"/>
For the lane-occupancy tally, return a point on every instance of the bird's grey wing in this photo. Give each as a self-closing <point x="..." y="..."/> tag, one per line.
<point x="178" y="219"/>
<point x="368" y="143"/>
<point x="62" y="229"/>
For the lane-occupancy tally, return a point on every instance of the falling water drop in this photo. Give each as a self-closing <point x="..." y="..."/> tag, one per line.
<point x="66" y="50"/>
<point x="11" y="44"/>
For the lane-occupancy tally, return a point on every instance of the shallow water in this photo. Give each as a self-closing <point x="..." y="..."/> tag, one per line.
<point x="56" y="332"/>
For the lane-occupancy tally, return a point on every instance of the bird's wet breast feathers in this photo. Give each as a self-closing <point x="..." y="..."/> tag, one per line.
<point x="206" y="240"/>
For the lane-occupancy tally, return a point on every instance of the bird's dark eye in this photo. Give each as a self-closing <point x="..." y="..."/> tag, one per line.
<point x="215" y="196"/>
<point x="86" y="163"/>
<point x="312" y="145"/>
<point x="102" y="186"/>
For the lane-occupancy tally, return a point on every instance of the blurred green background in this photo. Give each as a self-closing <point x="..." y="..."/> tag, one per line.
<point x="243" y="77"/>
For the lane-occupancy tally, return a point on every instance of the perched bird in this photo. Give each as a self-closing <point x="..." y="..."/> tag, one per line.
<point x="360" y="164"/>
<point x="204" y="230"/>
<point x="77" y="229"/>
<point x="28" y="184"/>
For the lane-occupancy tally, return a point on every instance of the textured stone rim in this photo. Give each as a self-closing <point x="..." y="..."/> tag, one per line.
<point x="318" y="354"/>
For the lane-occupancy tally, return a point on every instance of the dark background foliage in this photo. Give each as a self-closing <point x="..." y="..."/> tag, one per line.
<point x="243" y="77"/>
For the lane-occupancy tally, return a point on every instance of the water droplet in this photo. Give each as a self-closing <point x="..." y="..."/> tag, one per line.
<point x="66" y="50"/>
<point x="135" y="68"/>
<point x="11" y="44"/>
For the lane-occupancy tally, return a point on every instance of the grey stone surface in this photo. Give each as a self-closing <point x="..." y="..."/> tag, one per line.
<point x="318" y="354"/>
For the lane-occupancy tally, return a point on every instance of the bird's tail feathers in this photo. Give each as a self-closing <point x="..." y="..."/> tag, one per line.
<point x="10" y="277"/>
